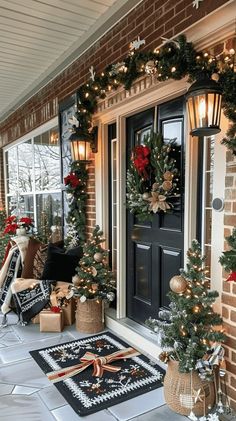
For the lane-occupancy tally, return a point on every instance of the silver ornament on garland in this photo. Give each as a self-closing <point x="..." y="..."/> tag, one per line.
<point x="110" y="296"/>
<point x="146" y="196"/>
<point x="150" y="67"/>
<point x="98" y="257"/>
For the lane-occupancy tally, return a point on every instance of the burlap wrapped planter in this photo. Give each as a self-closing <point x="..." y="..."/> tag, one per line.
<point x="178" y="395"/>
<point x="89" y="316"/>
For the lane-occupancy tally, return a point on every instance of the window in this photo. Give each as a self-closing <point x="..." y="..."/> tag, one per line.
<point x="33" y="179"/>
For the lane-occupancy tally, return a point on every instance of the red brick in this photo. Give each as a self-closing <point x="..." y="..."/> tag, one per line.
<point x="229" y="300"/>
<point x="226" y="286"/>
<point x="225" y="312"/>
<point x="233" y="316"/>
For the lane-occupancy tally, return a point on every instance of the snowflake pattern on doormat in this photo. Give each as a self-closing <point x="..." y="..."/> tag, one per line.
<point x="88" y="394"/>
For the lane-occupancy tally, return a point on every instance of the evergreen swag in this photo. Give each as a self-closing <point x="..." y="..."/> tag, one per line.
<point x="151" y="177"/>
<point x="186" y="329"/>
<point x="228" y="258"/>
<point x="94" y="279"/>
<point x="75" y="183"/>
<point x="175" y="59"/>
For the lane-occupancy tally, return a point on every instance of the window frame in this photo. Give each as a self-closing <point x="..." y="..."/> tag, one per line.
<point x="30" y="136"/>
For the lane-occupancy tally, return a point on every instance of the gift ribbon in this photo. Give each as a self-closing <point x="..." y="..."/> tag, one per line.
<point x="100" y="364"/>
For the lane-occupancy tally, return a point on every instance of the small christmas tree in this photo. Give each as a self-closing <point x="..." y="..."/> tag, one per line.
<point x="187" y="328"/>
<point x="94" y="279"/>
<point x="228" y="259"/>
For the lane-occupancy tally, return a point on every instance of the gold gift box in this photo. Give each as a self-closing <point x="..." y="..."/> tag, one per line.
<point x="50" y="321"/>
<point x="69" y="312"/>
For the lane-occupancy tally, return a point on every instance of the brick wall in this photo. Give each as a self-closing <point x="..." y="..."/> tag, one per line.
<point x="229" y="288"/>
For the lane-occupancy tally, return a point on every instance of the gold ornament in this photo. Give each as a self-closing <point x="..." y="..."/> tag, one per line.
<point x="178" y="284"/>
<point x="146" y="195"/>
<point x="150" y="67"/>
<point x="94" y="287"/>
<point x="94" y="271"/>
<point x="168" y="175"/>
<point x="215" y="77"/>
<point x="98" y="257"/>
<point x="155" y="186"/>
<point x="76" y="280"/>
<point x="167" y="185"/>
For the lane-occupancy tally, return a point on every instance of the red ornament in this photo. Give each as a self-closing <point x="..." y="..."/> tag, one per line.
<point x="232" y="277"/>
<point x="72" y="180"/>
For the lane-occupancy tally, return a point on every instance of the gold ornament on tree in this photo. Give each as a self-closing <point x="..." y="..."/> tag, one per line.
<point x="98" y="257"/>
<point x="178" y="284"/>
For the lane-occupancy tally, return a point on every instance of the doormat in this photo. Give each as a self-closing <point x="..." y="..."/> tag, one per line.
<point x="97" y="372"/>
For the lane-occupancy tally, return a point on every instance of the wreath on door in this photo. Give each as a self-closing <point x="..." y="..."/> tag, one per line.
<point x="152" y="177"/>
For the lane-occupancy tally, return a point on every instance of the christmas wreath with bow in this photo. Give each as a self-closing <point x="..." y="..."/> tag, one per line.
<point x="152" y="177"/>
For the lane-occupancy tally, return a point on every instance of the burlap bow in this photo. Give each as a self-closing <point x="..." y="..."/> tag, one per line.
<point x="100" y="364"/>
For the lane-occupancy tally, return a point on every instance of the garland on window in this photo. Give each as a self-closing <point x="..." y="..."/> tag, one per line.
<point x="75" y="183"/>
<point x="174" y="60"/>
<point x="152" y="181"/>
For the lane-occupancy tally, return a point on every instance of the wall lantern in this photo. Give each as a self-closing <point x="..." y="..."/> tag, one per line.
<point x="82" y="143"/>
<point x="204" y="107"/>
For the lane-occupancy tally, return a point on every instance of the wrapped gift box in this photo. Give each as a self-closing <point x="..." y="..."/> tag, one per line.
<point x="69" y="312"/>
<point x="51" y="321"/>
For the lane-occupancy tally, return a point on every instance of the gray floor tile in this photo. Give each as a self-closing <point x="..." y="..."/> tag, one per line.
<point x="51" y="397"/>
<point x="26" y="373"/>
<point x="134" y="407"/>
<point x="12" y="318"/>
<point x="66" y="413"/>
<point x="161" y="414"/>
<point x="31" y="333"/>
<point x="23" y="390"/>
<point x="21" y="352"/>
<point x="6" y="389"/>
<point x="10" y="338"/>
<point x="24" y="408"/>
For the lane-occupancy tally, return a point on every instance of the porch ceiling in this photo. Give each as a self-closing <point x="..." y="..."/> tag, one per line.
<point x="39" y="38"/>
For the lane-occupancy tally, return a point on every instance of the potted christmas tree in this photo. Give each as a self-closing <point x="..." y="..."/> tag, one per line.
<point x="93" y="284"/>
<point x="189" y="339"/>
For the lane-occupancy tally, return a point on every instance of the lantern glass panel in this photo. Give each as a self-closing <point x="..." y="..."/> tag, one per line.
<point x="201" y="110"/>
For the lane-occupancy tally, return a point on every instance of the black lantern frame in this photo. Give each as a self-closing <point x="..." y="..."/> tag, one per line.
<point x="204" y="107"/>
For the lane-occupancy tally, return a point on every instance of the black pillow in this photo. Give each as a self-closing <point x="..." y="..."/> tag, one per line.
<point x="76" y="251"/>
<point x="59" y="266"/>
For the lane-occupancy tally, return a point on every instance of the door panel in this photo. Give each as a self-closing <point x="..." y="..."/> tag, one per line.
<point x="155" y="248"/>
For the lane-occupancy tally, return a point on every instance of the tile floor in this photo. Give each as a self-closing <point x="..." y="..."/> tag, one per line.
<point x="27" y="395"/>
